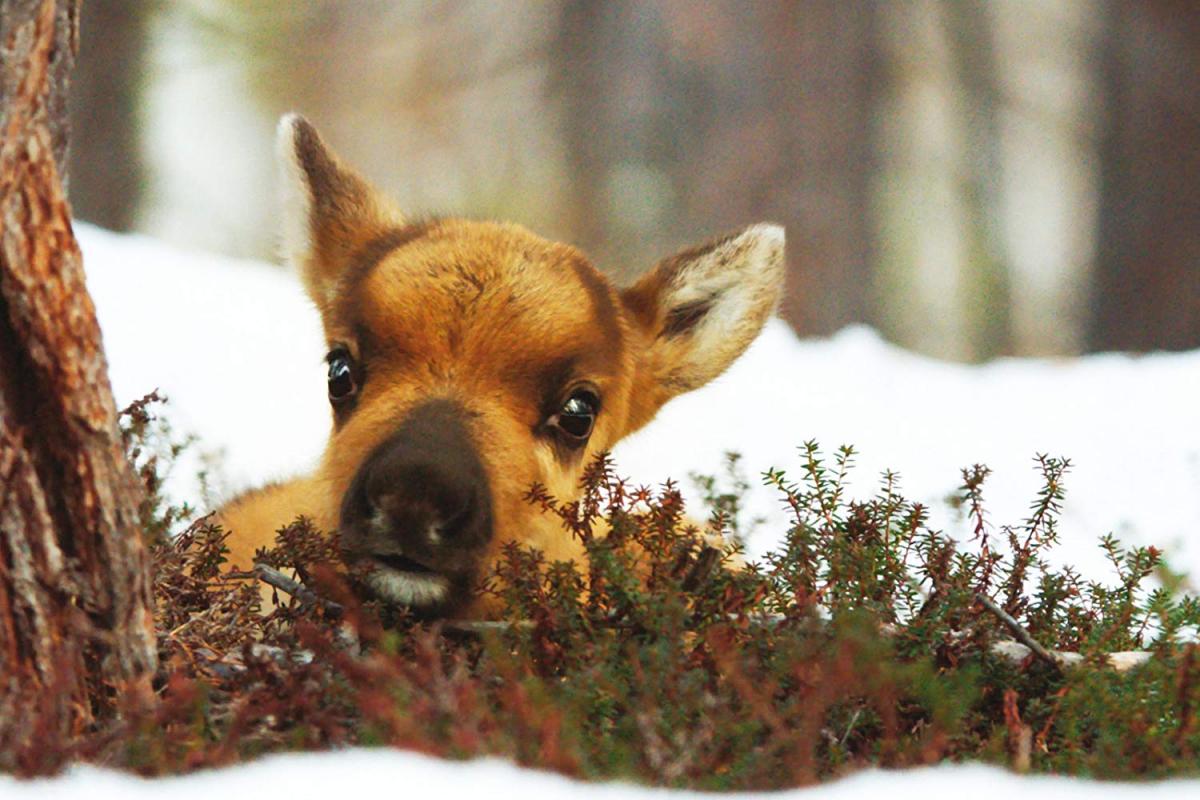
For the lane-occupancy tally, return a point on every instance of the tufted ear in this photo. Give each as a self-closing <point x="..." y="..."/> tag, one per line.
<point x="700" y="309"/>
<point x="330" y="213"/>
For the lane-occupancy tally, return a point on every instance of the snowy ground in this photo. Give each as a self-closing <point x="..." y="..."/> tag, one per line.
<point x="381" y="773"/>
<point x="239" y="351"/>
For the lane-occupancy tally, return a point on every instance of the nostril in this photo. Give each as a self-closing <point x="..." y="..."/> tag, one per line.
<point x="459" y="518"/>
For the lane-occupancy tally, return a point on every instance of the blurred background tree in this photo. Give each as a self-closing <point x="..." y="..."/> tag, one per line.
<point x="974" y="179"/>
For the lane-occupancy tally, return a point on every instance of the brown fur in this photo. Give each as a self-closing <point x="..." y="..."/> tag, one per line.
<point x="502" y="323"/>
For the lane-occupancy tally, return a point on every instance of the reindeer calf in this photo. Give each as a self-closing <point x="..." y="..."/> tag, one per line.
<point x="469" y="360"/>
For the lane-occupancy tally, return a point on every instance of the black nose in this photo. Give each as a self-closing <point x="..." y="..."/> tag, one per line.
<point x="418" y="498"/>
<point x="422" y="493"/>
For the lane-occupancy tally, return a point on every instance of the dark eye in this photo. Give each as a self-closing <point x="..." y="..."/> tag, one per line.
<point x="577" y="416"/>
<point x="342" y="385"/>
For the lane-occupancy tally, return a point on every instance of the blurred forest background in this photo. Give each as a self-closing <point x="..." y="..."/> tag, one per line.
<point x="972" y="178"/>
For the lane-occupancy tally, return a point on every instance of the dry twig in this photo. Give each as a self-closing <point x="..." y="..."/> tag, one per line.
<point x="1020" y="633"/>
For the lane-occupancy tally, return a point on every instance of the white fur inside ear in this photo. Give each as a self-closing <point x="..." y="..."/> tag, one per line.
<point x="755" y="254"/>
<point x="296" y="195"/>
<point x="725" y="294"/>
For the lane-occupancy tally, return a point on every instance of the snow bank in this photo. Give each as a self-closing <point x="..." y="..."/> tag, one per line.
<point x="235" y="345"/>
<point x="383" y="773"/>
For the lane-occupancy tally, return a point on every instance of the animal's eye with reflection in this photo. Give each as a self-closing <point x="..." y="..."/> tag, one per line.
<point x="342" y="383"/>
<point x="575" y="420"/>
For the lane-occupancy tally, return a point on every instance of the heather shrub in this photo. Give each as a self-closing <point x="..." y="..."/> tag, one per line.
<point x="865" y="638"/>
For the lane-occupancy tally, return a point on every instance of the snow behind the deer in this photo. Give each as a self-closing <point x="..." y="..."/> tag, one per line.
<point x="238" y="349"/>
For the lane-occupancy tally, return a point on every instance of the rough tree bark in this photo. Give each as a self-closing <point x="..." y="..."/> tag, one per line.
<point x="76" y="629"/>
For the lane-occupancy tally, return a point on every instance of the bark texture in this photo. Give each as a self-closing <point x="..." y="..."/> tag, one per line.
<point x="76" y="629"/>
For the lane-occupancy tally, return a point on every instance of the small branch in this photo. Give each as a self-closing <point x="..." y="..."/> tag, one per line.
<point x="275" y="578"/>
<point x="1020" y="633"/>
<point x="850" y="727"/>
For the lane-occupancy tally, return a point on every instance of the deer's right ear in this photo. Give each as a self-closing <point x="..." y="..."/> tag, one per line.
<point x="700" y="309"/>
<point x="329" y="212"/>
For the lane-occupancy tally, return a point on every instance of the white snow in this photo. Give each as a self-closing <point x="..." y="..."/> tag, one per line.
<point x="235" y="345"/>
<point x="388" y="773"/>
<point x="239" y="351"/>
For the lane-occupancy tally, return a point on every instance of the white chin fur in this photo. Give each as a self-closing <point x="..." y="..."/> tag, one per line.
<point x="408" y="588"/>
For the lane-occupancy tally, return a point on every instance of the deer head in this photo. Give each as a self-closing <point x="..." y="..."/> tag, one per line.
<point x="470" y="360"/>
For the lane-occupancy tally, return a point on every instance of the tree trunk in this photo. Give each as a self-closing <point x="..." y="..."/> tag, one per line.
<point x="76" y="628"/>
<point x="826" y="84"/>
<point x="1146" y="292"/>
<point x="105" y="166"/>
<point x="986" y="298"/>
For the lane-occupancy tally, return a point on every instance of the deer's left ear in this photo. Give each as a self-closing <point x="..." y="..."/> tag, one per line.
<point x="329" y="212"/>
<point x="700" y="309"/>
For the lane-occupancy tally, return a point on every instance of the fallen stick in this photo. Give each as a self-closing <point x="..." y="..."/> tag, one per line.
<point x="1121" y="661"/>
<point x="1020" y="633"/>
<point x="1026" y="645"/>
<point x="275" y="578"/>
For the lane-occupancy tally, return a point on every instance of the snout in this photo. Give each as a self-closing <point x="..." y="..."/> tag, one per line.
<point x="418" y="513"/>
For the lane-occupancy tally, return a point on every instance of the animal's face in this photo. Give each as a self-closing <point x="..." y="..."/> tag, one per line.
<point x="466" y="364"/>
<point x="469" y="361"/>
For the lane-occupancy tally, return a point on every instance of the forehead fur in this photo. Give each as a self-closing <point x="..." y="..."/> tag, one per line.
<point x="481" y="293"/>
